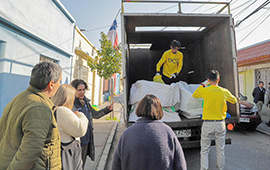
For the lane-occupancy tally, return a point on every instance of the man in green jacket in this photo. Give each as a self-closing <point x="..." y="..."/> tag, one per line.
<point x="29" y="137"/>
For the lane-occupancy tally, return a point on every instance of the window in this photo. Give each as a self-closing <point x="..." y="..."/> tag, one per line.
<point x="262" y="74"/>
<point x="83" y="73"/>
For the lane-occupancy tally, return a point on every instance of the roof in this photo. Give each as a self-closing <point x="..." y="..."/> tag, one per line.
<point x="254" y="54"/>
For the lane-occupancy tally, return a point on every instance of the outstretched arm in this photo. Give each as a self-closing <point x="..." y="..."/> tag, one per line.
<point x="231" y="98"/>
<point x="100" y="113"/>
<point x="198" y="92"/>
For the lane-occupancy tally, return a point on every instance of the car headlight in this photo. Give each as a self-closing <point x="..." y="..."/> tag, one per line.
<point x="242" y="109"/>
<point x="254" y="109"/>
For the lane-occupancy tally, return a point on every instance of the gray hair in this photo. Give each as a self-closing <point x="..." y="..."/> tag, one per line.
<point x="43" y="73"/>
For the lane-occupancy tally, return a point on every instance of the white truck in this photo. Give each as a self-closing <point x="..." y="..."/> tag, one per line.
<point x="210" y="46"/>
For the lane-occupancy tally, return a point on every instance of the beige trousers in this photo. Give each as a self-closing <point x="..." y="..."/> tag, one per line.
<point x="218" y="131"/>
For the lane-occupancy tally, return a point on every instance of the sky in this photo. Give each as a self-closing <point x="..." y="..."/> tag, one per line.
<point x="96" y="16"/>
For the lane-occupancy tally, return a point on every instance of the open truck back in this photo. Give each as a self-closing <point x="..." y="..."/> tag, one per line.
<point x="212" y="46"/>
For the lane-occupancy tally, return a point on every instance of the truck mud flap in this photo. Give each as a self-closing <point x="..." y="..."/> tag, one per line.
<point x="228" y="141"/>
<point x="190" y="144"/>
<point x="196" y="144"/>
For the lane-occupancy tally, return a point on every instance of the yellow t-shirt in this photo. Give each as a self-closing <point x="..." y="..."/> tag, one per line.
<point x="215" y="99"/>
<point x="172" y="63"/>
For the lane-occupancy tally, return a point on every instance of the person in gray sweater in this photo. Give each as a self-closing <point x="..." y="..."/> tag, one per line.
<point x="149" y="143"/>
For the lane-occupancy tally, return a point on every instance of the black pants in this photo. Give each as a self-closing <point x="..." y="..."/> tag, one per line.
<point x="84" y="154"/>
<point x="167" y="80"/>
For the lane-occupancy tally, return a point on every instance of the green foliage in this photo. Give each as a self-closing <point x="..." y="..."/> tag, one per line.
<point x="109" y="59"/>
<point x="115" y="118"/>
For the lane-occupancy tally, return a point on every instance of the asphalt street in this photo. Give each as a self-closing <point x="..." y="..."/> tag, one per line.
<point x="249" y="150"/>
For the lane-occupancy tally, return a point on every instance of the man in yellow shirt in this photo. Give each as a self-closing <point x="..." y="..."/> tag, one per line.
<point x="172" y="61"/>
<point x="214" y="114"/>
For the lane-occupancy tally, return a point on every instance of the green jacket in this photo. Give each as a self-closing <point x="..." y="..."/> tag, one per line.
<point x="29" y="137"/>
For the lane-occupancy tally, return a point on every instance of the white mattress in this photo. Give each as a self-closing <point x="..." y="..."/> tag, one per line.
<point x="168" y="114"/>
<point x="177" y="94"/>
<point x="168" y="95"/>
<point x="190" y="106"/>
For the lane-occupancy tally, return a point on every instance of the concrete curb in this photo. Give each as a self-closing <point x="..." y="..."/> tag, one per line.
<point x="262" y="131"/>
<point x="105" y="153"/>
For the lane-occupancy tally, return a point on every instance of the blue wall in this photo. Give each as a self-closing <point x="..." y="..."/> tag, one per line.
<point x="19" y="52"/>
<point x="11" y="87"/>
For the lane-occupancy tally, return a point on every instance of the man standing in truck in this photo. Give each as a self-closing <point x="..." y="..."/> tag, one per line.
<point x="172" y="61"/>
<point x="214" y="114"/>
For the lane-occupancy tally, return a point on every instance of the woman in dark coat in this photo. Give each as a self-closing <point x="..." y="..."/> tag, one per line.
<point x="82" y="104"/>
<point x="149" y="143"/>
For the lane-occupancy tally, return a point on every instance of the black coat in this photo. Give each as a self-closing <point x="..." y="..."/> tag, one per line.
<point x="258" y="94"/>
<point x="92" y="114"/>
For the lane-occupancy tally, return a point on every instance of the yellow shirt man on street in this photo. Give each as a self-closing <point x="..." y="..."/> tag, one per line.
<point x="172" y="61"/>
<point x="214" y="114"/>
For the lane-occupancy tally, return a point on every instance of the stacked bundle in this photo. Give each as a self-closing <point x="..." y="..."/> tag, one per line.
<point x="177" y="96"/>
<point x="168" y="95"/>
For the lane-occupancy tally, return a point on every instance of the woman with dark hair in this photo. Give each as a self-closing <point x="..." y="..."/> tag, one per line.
<point x="149" y="143"/>
<point x="82" y="104"/>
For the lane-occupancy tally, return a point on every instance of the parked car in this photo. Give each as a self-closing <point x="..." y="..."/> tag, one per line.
<point x="249" y="117"/>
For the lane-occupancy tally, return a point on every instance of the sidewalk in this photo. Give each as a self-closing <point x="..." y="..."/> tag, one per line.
<point x="265" y="115"/>
<point x="104" y="131"/>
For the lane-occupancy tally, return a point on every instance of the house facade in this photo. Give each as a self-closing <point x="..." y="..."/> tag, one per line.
<point x="253" y="66"/>
<point x="84" y="50"/>
<point x="32" y="32"/>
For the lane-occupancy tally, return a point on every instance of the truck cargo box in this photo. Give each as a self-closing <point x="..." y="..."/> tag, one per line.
<point x="211" y="46"/>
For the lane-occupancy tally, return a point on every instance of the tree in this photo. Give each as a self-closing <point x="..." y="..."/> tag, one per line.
<point x="108" y="60"/>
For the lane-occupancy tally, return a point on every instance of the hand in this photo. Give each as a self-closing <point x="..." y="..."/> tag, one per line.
<point x="173" y="75"/>
<point x="76" y="112"/>
<point x="110" y="107"/>
<point x="205" y="83"/>
<point x="157" y="74"/>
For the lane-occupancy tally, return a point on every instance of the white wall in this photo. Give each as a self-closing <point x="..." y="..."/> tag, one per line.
<point x="42" y="18"/>
<point x="28" y="30"/>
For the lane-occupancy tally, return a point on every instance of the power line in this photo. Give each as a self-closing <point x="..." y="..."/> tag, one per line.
<point x="217" y="6"/>
<point x="266" y="33"/>
<point x="240" y="5"/>
<point x="166" y="8"/>
<point x="256" y="10"/>
<point x="199" y="7"/>
<point x="233" y="2"/>
<point x="254" y="23"/>
<point x="211" y="8"/>
<point x="253" y="30"/>
<point x="245" y="9"/>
